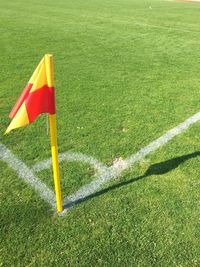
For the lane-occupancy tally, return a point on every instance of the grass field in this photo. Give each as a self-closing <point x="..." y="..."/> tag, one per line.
<point x="126" y="71"/>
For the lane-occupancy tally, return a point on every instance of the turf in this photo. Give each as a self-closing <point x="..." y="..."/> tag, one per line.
<point x="126" y="71"/>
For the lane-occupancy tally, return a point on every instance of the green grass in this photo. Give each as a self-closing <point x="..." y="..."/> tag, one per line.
<point x="125" y="74"/>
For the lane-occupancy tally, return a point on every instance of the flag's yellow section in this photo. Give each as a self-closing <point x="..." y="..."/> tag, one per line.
<point x="41" y="79"/>
<point x="49" y="70"/>
<point x="36" y="72"/>
<point x="21" y="119"/>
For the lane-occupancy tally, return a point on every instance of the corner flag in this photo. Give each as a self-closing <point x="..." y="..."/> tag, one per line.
<point x="39" y="97"/>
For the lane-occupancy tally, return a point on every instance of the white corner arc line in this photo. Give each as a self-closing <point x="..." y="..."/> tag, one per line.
<point x="25" y="173"/>
<point x="116" y="170"/>
<point x="71" y="156"/>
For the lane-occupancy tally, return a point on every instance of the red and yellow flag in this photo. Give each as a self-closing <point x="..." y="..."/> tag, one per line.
<point x="37" y="97"/>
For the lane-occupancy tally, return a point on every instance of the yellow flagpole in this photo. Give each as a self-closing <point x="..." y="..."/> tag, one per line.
<point x="54" y="146"/>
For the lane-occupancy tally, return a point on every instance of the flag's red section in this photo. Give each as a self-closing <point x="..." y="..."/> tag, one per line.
<point x="40" y="101"/>
<point x="21" y="99"/>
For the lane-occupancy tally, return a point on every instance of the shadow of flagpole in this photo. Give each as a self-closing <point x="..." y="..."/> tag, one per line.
<point x="155" y="169"/>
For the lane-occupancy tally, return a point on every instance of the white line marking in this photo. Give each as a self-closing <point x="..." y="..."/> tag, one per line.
<point x="70" y="156"/>
<point x="27" y="175"/>
<point x="105" y="174"/>
<point x="115" y="171"/>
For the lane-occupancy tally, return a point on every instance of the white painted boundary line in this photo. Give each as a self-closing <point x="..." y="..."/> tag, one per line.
<point x="27" y="175"/>
<point x="116" y="170"/>
<point x="105" y="174"/>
